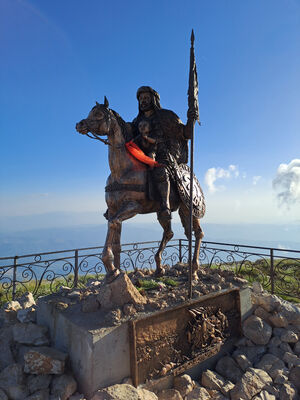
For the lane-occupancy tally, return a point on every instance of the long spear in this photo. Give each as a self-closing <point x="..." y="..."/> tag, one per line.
<point x="194" y="110"/>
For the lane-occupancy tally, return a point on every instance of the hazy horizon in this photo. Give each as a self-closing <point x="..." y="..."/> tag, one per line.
<point x="26" y="241"/>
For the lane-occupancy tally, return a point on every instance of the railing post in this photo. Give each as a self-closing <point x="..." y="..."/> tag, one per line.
<point x="76" y="269"/>
<point x="272" y="270"/>
<point x="14" y="278"/>
<point x="180" y="250"/>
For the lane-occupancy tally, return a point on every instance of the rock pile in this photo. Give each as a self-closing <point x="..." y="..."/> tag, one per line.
<point x="29" y="368"/>
<point x="265" y="364"/>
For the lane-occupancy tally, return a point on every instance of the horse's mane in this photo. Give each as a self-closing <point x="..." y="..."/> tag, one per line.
<point x="122" y="124"/>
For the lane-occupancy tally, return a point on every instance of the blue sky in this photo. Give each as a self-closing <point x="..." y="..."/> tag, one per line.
<point x="58" y="57"/>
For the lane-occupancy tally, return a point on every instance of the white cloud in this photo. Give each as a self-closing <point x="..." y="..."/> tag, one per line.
<point x="255" y="179"/>
<point x="212" y="174"/>
<point x="287" y="183"/>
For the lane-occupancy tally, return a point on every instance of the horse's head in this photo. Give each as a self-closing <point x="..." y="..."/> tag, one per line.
<point x="98" y="121"/>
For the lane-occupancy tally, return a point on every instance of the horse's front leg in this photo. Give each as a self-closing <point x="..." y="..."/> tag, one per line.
<point x="112" y="248"/>
<point x="108" y="257"/>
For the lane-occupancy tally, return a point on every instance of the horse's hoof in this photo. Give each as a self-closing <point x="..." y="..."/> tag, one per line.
<point x="160" y="272"/>
<point x="195" y="276"/>
<point x="112" y="276"/>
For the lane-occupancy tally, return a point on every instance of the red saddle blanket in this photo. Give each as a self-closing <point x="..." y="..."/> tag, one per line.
<point x="137" y="153"/>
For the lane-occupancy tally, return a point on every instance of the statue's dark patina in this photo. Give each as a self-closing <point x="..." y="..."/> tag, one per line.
<point x="162" y="135"/>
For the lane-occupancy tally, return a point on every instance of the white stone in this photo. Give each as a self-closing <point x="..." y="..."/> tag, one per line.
<point x="253" y="353"/>
<point x="228" y="368"/>
<point x="288" y="392"/>
<point x="9" y="311"/>
<point x="294" y="377"/>
<point x="262" y="313"/>
<point x="169" y="394"/>
<point x="289" y="337"/>
<point x="291" y="359"/>
<point x="297" y="348"/>
<point x="199" y="393"/>
<point x="146" y="394"/>
<point x="31" y="334"/>
<point x="27" y="314"/>
<point x="212" y="380"/>
<point x="251" y="383"/>
<point x="216" y="395"/>
<point x="264" y="395"/>
<point x="184" y="384"/>
<point x="6" y="355"/>
<point x="290" y="311"/>
<point x="119" y="292"/>
<point x="38" y="382"/>
<point x="243" y="362"/>
<point x="270" y="362"/>
<point x="268" y="301"/>
<point x="278" y="320"/>
<point x="280" y="377"/>
<point x="12" y="381"/>
<point x="257" y="330"/>
<point x="27" y="300"/>
<point x="117" y="392"/>
<point x="285" y="347"/>
<point x="257" y="287"/>
<point x="63" y="386"/>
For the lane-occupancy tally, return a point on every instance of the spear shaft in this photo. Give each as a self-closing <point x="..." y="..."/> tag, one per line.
<point x="194" y="108"/>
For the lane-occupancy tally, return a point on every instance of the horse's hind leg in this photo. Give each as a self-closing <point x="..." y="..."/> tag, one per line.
<point x="165" y="221"/>
<point x="185" y="220"/>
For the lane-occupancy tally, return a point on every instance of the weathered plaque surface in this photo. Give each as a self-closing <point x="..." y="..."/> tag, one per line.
<point x="172" y="341"/>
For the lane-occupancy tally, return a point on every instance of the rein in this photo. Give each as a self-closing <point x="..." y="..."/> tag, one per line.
<point x="105" y="141"/>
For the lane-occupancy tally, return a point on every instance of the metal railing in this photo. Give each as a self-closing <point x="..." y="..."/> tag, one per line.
<point x="278" y="270"/>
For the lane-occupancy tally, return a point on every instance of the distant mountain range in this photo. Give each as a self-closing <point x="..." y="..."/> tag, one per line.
<point x="79" y="236"/>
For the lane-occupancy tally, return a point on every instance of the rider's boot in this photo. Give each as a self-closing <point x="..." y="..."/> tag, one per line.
<point x="164" y="215"/>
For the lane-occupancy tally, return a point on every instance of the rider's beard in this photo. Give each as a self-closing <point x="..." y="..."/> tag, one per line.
<point x="146" y="106"/>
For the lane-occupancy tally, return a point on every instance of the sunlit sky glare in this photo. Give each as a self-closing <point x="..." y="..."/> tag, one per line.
<point x="59" y="57"/>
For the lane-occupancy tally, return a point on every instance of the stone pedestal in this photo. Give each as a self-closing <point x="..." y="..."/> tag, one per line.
<point x="99" y="356"/>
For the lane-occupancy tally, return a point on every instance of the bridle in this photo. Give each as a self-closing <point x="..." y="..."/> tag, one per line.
<point x="107" y="118"/>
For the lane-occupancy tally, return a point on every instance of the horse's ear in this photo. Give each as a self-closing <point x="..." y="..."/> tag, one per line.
<point x="106" y="103"/>
<point x="97" y="104"/>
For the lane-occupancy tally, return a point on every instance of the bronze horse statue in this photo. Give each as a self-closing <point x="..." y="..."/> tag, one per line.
<point x="126" y="194"/>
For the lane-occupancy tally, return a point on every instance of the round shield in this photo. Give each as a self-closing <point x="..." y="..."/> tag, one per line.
<point x="183" y="177"/>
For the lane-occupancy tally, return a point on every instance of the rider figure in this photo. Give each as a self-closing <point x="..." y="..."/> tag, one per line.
<point x="171" y="141"/>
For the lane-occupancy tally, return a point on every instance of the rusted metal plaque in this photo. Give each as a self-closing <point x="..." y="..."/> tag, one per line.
<point x="172" y="341"/>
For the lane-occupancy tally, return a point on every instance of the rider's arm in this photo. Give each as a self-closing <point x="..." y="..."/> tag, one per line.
<point x="189" y="127"/>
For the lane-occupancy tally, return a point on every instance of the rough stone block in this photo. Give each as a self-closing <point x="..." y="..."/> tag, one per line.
<point x="63" y="386"/>
<point x="169" y="394"/>
<point x="38" y="382"/>
<point x="31" y="334"/>
<point x="44" y="360"/>
<point x="227" y="367"/>
<point x="117" y="392"/>
<point x="119" y="292"/>
<point x="257" y="330"/>
<point x="12" y="381"/>
<point x="252" y="382"/>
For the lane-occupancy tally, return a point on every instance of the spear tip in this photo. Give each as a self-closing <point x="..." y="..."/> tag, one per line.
<point x="192" y="36"/>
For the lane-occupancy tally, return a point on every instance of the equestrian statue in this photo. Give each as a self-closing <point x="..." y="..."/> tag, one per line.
<point x="149" y="172"/>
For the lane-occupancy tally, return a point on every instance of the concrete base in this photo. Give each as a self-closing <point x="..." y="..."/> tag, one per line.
<point x="99" y="357"/>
